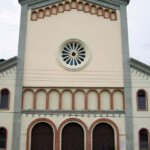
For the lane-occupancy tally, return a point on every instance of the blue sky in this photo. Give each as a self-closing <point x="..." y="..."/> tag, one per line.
<point x="138" y="25"/>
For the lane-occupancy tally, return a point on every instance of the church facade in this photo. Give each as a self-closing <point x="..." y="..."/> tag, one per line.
<point x="73" y="85"/>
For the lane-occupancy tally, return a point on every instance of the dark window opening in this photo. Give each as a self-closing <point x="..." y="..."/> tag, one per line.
<point x="4" y="99"/>
<point x="2" y="138"/>
<point x="141" y="100"/>
<point x="143" y="140"/>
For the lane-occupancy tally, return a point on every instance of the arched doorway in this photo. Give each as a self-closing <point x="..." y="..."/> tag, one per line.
<point x="103" y="137"/>
<point x="42" y="137"/>
<point x="72" y="137"/>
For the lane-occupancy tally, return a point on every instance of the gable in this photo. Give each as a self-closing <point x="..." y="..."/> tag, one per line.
<point x="83" y="6"/>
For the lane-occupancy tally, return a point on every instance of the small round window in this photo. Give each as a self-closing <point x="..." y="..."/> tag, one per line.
<point x="73" y="54"/>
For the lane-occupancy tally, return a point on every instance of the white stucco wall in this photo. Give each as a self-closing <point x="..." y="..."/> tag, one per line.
<point x="102" y="36"/>
<point x="141" y="119"/>
<point x="7" y="80"/>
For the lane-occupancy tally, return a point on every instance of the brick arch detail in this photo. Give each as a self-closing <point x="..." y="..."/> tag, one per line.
<point x="80" y="122"/>
<point x="31" y="125"/>
<point x="123" y="98"/>
<point x="148" y="137"/>
<point x="111" y="98"/>
<point x="85" y="97"/>
<point x="109" y="122"/>
<point x="98" y="99"/>
<point x="34" y="96"/>
<point x="48" y="94"/>
<point x="6" y="135"/>
<point x="60" y="105"/>
<point x="40" y="89"/>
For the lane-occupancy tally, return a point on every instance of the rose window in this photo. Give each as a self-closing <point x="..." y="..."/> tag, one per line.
<point x="73" y="54"/>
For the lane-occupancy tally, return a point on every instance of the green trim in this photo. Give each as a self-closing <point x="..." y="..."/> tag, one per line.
<point x="113" y="4"/>
<point x="78" y="112"/>
<point x="8" y="63"/>
<point x="19" y="81"/>
<point x="140" y="66"/>
<point x="127" y="79"/>
<point x="124" y="2"/>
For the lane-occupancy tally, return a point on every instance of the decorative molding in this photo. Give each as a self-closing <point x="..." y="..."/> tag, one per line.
<point x="98" y="91"/>
<point x="70" y="112"/>
<point x="8" y="63"/>
<point x="39" y="13"/>
<point x="123" y="2"/>
<point x="139" y="66"/>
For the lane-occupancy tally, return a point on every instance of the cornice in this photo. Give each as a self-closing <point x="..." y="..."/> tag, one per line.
<point x="123" y="2"/>
<point x="8" y="63"/>
<point x="140" y="66"/>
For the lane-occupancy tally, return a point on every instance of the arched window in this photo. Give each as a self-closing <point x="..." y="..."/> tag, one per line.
<point x="3" y="135"/>
<point x="4" y="99"/>
<point x="143" y="139"/>
<point x="141" y="100"/>
<point x="42" y="137"/>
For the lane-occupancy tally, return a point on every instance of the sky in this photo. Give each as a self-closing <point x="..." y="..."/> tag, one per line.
<point x="138" y="12"/>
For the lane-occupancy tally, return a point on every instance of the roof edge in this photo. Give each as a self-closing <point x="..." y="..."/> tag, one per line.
<point x="140" y="66"/>
<point x="8" y="63"/>
<point x="124" y="2"/>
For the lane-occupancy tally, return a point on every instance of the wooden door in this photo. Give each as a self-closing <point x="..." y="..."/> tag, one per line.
<point x="42" y="137"/>
<point x="103" y="137"/>
<point x="72" y="137"/>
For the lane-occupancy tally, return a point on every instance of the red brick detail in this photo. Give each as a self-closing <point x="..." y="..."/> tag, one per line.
<point x="69" y="4"/>
<point x="37" y="121"/>
<point x="113" y="12"/>
<point x="98" y="100"/>
<point x="60" y="105"/>
<point x="103" y="90"/>
<point x="107" y="10"/>
<point x="32" y="16"/>
<point x="6" y="136"/>
<point x="47" y="102"/>
<point x="146" y="98"/>
<point x="80" y="122"/>
<point x="47" y="9"/>
<point x="93" y="6"/>
<point x="78" y="6"/>
<point x="123" y="102"/>
<point x="28" y="89"/>
<point x="54" y="7"/>
<point x="61" y="5"/>
<point x="41" y="11"/>
<point x="80" y="91"/>
<point x="41" y="89"/>
<point x="106" y="121"/>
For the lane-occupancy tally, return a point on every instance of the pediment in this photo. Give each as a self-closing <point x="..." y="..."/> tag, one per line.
<point x="82" y="6"/>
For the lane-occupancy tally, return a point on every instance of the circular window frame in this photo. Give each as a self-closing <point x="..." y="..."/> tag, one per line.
<point x="77" y="67"/>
